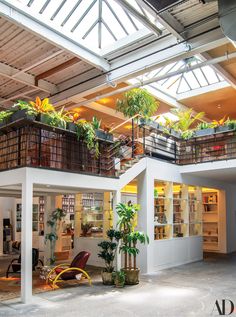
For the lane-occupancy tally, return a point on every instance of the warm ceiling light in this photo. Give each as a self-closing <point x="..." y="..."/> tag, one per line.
<point x="105" y="100"/>
<point x="128" y="126"/>
<point x="218" y="106"/>
<point x="79" y="110"/>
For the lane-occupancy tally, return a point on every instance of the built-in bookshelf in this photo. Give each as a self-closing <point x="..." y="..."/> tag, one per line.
<point x="177" y="210"/>
<point x="35" y="217"/>
<point x="41" y="215"/>
<point x="68" y="203"/>
<point x="210" y="220"/>
<point x="92" y="214"/>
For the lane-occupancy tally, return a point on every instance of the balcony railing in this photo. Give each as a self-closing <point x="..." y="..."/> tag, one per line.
<point x="33" y="144"/>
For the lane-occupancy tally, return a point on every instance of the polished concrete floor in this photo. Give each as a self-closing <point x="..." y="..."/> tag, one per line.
<point x="185" y="291"/>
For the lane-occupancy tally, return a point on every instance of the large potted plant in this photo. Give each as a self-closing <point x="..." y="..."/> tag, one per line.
<point x="100" y="134"/>
<point x="127" y="214"/>
<point x="53" y="223"/>
<point x="108" y="254"/>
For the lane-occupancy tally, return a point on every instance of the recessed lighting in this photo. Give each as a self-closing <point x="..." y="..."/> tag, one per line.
<point x="218" y="106"/>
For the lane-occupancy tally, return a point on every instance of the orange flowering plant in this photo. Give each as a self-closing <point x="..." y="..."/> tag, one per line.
<point x="42" y="106"/>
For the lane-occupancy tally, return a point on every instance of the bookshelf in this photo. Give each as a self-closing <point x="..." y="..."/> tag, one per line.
<point x="92" y="214"/>
<point x="211" y="220"/>
<point x="177" y="210"/>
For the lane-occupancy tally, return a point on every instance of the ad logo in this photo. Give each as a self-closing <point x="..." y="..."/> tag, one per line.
<point x="224" y="307"/>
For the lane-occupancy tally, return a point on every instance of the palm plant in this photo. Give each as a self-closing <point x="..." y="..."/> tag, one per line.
<point x="53" y="223"/>
<point x="186" y="118"/>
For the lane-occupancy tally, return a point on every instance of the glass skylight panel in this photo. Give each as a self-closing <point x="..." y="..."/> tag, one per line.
<point x="192" y="81"/>
<point x="210" y="74"/>
<point x="200" y="76"/>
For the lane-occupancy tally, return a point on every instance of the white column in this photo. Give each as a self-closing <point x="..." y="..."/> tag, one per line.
<point x="116" y="200"/>
<point x="26" y="241"/>
<point x="146" y="219"/>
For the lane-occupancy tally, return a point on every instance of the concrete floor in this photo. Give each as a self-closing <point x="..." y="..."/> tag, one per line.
<point x="185" y="291"/>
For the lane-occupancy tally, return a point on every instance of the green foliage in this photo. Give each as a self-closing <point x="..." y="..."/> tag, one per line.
<point x="137" y="101"/>
<point x="5" y="115"/>
<point x="53" y="222"/>
<point x="109" y="249"/>
<point x="130" y="237"/>
<point x="85" y="131"/>
<point x="119" y="277"/>
<point x="187" y="134"/>
<point x="203" y="126"/>
<point x="96" y="123"/>
<point x="186" y="119"/>
<point x="58" y="118"/>
<point x="24" y="105"/>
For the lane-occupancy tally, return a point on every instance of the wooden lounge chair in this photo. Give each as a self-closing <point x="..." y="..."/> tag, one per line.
<point x="64" y="272"/>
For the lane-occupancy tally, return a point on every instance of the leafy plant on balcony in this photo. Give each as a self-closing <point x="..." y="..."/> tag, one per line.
<point x="204" y="125"/>
<point x="58" y="118"/>
<point x="5" y="115"/>
<point x="137" y="101"/>
<point x="186" y="119"/>
<point x="96" y="123"/>
<point x="53" y="223"/>
<point x="86" y="132"/>
<point x="73" y="117"/>
<point x="24" y="105"/>
<point x="41" y="106"/>
<point x="219" y="123"/>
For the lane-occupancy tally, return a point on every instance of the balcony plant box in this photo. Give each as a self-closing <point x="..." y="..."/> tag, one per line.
<point x="102" y="135"/>
<point x="44" y="118"/>
<point x="22" y="114"/>
<point x="204" y="132"/>
<point x="4" y="122"/>
<point x="223" y="128"/>
<point x="71" y="126"/>
<point x="175" y="134"/>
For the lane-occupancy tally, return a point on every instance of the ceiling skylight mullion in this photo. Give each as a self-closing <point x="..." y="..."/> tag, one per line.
<point x="109" y="30"/>
<point x="173" y="66"/>
<point x="58" y="10"/>
<point x="71" y="12"/>
<point x="117" y="18"/>
<point x="29" y="3"/>
<point x="204" y="76"/>
<point x="44" y="6"/>
<point x="90" y="29"/>
<point x="83" y="16"/>
<point x="197" y="79"/>
<point x="142" y="10"/>
<point x="99" y="23"/>
<point x="131" y="20"/>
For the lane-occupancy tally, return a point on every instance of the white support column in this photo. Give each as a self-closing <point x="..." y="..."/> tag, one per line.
<point x="116" y="200"/>
<point x="1" y="232"/>
<point x="26" y="241"/>
<point x="146" y="219"/>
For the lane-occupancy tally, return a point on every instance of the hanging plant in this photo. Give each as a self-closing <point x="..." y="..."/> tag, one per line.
<point x="86" y="132"/>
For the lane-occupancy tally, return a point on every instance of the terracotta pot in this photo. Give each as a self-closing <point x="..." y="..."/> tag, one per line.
<point x="119" y="284"/>
<point x="107" y="278"/>
<point x="131" y="276"/>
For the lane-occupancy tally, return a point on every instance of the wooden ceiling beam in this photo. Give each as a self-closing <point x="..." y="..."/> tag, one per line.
<point x="57" y="69"/>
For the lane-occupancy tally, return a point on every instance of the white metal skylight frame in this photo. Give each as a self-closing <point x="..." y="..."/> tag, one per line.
<point x="95" y="24"/>
<point x="183" y="83"/>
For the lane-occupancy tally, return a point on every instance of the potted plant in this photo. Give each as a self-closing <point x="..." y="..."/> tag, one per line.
<point x="221" y="125"/>
<point x="72" y="118"/>
<point x="5" y="117"/>
<point x="58" y="118"/>
<point x="86" y="132"/>
<point x="23" y="110"/>
<point x="119" y="278"/>
<point x="108" y="253"/>
<point x="186" y="119"/>
<point x="86" y="227"/>
<point x="204" y="129"/>
<point x="127" y="214"/>
<point x="43" y="109"/>
<point x="100" y="133"/>
<point x="53" y="223"/>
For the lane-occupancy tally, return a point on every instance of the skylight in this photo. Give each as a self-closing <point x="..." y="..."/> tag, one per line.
<point x="181" y="83"/>
<point x="96" y="24"/>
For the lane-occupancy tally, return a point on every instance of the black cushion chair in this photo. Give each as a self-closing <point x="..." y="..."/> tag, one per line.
<point x="15" y="265"/>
